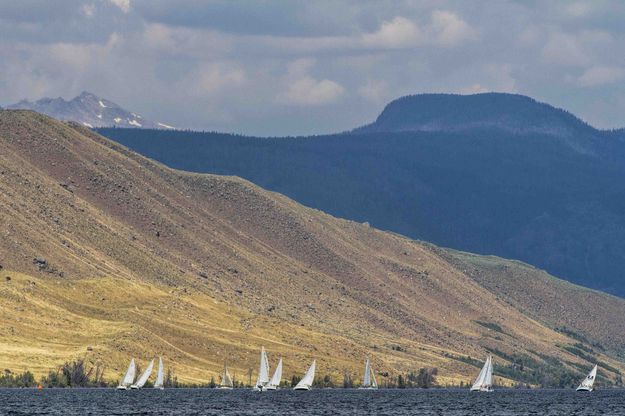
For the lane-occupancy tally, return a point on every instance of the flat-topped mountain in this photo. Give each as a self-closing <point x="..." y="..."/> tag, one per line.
<point x="89" y="110"/>
<point x="488" y="173"/>
<point x="455" y="113"/>
<point x="107" y="255"/>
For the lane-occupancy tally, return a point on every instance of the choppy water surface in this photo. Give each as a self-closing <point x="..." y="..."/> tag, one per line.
<point x="317" y="402"/>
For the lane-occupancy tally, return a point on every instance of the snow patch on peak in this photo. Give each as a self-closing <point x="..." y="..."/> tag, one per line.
<point x="89" y="110"/>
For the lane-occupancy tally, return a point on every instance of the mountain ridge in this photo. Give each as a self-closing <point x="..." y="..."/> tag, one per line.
<point x="549" y="197"/>
<point x="514" y="113"/>
<point x="89" y="110"/>
<point x="110" y="255"/>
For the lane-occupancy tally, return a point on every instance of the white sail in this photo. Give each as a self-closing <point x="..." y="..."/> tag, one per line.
<point x="274" y="383"/>
<point x="488" y="379"/>
<point x="129" y="377"/>
<point x="263" y="371"/>
<point x="307" y="381"/>
<point x="588" y="383"/>
<point x="484" y="380"/>
<point x="158" y="384"/>
<point x="226" y="380"/>
<point x="144" y="377"/>
<point x="367" y="379"/>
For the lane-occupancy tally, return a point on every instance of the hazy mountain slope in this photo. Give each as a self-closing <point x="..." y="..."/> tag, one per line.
<point x="492" y="174"/>
<point x="142" y="260"/>
<point x="89" y="110"/>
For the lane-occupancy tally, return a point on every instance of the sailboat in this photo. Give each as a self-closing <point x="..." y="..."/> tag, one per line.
<point x="589" y="381"/>
<point x="129" y="377"/>
<point x="274" y="383"/>
<point x="369" y="381"/>
<point x="144" y="377"/>
<point x="263" y="371"/>
<point x="158" y="384"/>
<point x="226" y="380"/>
<point x="306" y="382"/>
<point x="484" y="381"/>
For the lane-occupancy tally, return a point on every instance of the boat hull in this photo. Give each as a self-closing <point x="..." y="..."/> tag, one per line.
<point x="588" y="389"/>
<point x="483" y="390"/>
<point x="303" y="388"/>
<point x="122" y="388"/>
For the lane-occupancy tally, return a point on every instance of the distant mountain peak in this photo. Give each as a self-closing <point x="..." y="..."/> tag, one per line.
<point x="89" y="110"/>
<point x="513" y="113"/>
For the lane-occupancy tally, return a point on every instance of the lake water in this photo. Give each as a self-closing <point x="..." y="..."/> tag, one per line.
<point x="317" y="402"/>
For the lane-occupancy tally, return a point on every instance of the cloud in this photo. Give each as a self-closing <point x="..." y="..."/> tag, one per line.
<point x="449" y="29"/>
<point x="396" y="33"/>
<point x="88" y="9"/>
<point x="124" y="5"/>
<point x="374" y="90"/>
<point x="215" y="77"/>
<point x="309" y="91"/>
<point x="282" y="67"/>
<point x="577" y="49"/>
<point x="445" y="29"/>
<point x="302" y="89"/>
<point x="601" y="75"/>
<point x="565" y="49"/>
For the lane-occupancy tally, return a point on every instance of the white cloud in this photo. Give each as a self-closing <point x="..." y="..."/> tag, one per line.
<point x="374" y="90"/>
<point x="78" y="57"/>
<point x="577" y="49"/>
<point x="396" y="33"/>
<point x="565" y="49"/>
<point x="309" y="91"/>
<point x="170" y="41"/>
<point x="445" y="29"/>
<point x="601" y="75"/>
<point x="215" y="77"/>
<point x="303" y="89"/>
<point x="124" y="5"/>
<point x="449" y="30"/>
<point x="88" y="9"/>
<point x="211" y="78"/>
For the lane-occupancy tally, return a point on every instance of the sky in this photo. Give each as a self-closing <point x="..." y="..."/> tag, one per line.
<point x="294" y="67"/>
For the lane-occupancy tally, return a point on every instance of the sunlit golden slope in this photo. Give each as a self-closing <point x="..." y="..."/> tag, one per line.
<point x="143" y="260"/>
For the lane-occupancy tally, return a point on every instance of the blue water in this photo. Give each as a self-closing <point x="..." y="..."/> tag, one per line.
<point x="317" y="402"/>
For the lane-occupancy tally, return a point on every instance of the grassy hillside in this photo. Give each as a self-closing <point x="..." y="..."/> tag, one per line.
<point x="489" y="173"/>
<point x="135" y="259"/>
